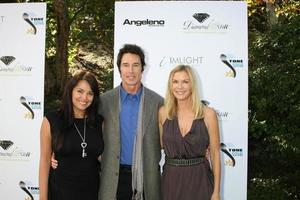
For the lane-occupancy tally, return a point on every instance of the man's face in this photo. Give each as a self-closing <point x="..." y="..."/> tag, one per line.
<point x="131" y="71"/>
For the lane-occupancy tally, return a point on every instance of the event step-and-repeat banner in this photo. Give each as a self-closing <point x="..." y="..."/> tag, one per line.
<point x="22" y="53"/>
<point x="211" y="36"/>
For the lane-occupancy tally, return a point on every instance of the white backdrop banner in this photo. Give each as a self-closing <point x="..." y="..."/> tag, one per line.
<point x="22" y="47"/>
<point x="211" y="36"/>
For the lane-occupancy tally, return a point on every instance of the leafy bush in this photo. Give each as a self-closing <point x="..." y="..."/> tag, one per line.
<point x="274" y="109"/>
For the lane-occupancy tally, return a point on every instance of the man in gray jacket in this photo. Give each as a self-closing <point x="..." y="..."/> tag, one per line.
<point x="130" y="161"/>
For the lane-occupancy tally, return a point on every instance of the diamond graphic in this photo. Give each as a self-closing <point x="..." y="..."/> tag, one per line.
<point x="5" y="144"/>
<point x="200" y="17"/>
<point x="7" y="59"/>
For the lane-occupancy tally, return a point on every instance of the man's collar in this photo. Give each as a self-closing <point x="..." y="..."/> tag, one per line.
<point x="124" y="93"/>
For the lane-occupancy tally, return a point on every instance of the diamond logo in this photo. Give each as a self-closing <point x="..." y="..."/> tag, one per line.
<point x="7" y="59"/>
<point x="5" y="144"/>
<point x="201" y="17"/>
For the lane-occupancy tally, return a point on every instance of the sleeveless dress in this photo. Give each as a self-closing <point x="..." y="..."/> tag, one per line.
<point x="75" y="178"/>
<point x="186" y="182"/>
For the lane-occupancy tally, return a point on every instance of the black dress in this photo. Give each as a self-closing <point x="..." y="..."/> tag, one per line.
<point x="75" y="178"/>
<point x="186" y="182"/>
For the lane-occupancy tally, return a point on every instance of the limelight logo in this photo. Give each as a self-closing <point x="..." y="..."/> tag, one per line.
<point x="172" y="61"/>
<point x="30" y="105"/>
<point x="145" y="22"/>
<point x="204" y="23"/>
<point x="6" y="144"/>
<point x="32" y="21"/>
<point x="232" y="63"/>
<point x="232" y="152"/>
<point x="28" y="189"/>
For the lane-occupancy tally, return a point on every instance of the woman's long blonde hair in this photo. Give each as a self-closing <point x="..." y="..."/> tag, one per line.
<point x="170" y="100"/>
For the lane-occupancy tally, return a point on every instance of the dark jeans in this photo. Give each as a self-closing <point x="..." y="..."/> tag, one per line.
<point x="124" y="191"/>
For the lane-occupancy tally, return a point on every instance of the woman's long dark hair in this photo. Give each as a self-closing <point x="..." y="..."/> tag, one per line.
<point x="66" y="112"/>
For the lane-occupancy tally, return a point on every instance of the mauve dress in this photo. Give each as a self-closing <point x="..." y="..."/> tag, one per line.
<point x="186" y="182"/>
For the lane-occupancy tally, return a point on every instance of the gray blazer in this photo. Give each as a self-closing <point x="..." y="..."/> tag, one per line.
<point x="109" y="109"/>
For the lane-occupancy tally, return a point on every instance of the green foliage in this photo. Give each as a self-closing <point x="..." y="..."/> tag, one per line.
<point x="274" y="105"/>
<point x="92" y="21"/>
<point x="270" y="189"/>
<point x="91" y="27"/>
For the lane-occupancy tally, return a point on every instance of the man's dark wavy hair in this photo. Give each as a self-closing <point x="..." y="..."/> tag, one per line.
<point x="134" y="49"/>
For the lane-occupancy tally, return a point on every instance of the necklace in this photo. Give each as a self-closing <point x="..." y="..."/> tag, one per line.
<point x="83" y="143"/>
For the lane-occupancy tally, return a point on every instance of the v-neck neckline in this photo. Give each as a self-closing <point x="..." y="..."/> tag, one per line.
<point x="188" y="132"/>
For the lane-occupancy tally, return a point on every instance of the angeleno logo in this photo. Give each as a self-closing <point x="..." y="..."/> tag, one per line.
<point x="146" y="22"/>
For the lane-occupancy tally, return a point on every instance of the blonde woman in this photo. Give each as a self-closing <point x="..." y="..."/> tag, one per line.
<point x="187" y="129"/>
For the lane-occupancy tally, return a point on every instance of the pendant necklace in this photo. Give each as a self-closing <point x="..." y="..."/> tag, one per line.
<point x="83" y="143"/>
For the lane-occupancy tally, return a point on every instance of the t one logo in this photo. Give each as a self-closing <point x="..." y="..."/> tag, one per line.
<point x="24" y="188"/>
<point x="25" y="104"/>
<point x="26" y="19"/>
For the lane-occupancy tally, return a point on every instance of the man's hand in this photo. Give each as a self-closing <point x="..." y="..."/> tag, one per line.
<point x="207" y="154"/>
<point x="54" y="163"/>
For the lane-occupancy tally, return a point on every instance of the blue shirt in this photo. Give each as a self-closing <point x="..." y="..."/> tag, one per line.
<point x="130" y="104"/>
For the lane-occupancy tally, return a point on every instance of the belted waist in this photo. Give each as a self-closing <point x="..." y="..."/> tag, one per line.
<point x="125" y="168"/>
<point x="181" y="162"/>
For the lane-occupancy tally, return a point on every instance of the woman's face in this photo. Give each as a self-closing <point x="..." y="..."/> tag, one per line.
<point x="181" y="86"/>
<point x="82" y="98"/>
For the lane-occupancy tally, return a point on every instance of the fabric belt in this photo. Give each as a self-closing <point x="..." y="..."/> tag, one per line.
<point x="180" y="162"/>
